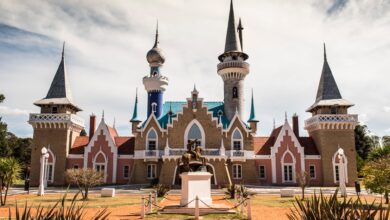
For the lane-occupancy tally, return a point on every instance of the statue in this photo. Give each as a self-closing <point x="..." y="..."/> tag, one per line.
<point x="192" y="155"/>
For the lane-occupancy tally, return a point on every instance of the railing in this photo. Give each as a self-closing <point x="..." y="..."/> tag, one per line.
<point x="150" y="153"/>
<point x="62" y="117"/>
<point x="205" y="152"/>
<point x="177" y="152"/>
<point x="331" y="118"/>
<point x="229" y="64"/>
<point x="237" y="153"/>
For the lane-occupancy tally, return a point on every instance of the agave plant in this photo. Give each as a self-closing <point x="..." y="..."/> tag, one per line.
<point x="329" y="207"/>
<point x="57" y="211"/>
<point x="161" y="189"/>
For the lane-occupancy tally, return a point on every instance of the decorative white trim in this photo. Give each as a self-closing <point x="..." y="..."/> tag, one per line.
<point x="345" y="167"/>
<point x="152" y="139"/>
<point x="75" y="156"/>
<point x="203" y="140"/>
<point x="150" y="118"/>
<point x="277" y="145"/>
<point x="288" y="164"/>
<point x="262" y="157"/>
<point x="125" y="156"/>
<point x="241" y="140"/>
<point x="50" y="152"/>
<point x="236" y="117"/>
<point x="94" y="163"/>
<point x="111" y="144"/>
<point x="312" y="157"/>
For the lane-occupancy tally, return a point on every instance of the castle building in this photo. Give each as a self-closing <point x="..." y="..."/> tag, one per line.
<point x="230" y="144"/>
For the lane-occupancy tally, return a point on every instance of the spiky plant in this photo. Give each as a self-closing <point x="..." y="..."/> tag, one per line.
<point x="330" y="207"/>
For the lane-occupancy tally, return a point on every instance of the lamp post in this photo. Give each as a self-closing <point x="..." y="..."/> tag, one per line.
<point x="342" y="178"/>
<point x="44" y="156"/>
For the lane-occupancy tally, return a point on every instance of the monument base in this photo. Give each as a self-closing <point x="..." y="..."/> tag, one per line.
<point x="195" y="184"/>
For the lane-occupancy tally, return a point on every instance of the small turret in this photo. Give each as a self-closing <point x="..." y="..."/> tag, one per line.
<point x="252" y="117"/>
<point x="155" y="83"/>
<point x="134" y="120"/>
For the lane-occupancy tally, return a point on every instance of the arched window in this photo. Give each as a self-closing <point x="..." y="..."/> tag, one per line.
<point x="100" y="163"/>
<point x="337" y="166"/>
<point x="194" y="131"/>
<point x="237" y="141"/>
<point x="50" y="167"/>
<point x="151" y="142"/>
<point x="235" y="92"/>
<point x="288" y="167"/>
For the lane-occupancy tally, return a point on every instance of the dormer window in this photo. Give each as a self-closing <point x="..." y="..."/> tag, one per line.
<point x="54" y="110"/>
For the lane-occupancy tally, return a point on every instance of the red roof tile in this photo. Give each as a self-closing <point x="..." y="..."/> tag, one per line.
<point x="262" y="145"/>
<point x="309" y="145"/>
<point x="113" y="131"/>
<point x="79" y="143"/>
<point x="125" y="145"/>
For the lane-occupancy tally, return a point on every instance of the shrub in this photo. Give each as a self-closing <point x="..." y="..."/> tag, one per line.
<point x="58" y="211"/>
<point x="84" y="179"/>
<point x="323" y="207"/>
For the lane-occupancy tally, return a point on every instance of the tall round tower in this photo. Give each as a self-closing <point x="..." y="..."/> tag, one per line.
<point x="233" y="68"/>
<point x="155" y="83"/>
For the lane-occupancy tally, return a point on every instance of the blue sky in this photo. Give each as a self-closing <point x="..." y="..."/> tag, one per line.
<point x="106" y="45"/>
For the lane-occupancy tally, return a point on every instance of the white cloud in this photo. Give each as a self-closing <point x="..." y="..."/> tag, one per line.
<point x="5" y="110"/>
<point x="386" y="109"/>
<point x="107" y="43"/>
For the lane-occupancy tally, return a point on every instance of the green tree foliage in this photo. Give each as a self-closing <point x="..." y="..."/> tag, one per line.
<point x="83" y="133"/>
<point x="386" y="140"/>
<point x="10" y="170"/>
<point x="4" y="151"/>
<point x="379" y="152"/>
<point x="376" y="175"/>
<point x="363" y="141"/>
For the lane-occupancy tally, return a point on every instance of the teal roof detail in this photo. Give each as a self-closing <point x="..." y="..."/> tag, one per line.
<point x="252" y="117"/>
<point x="135" y="111"/>
<point x="171" y="109"/>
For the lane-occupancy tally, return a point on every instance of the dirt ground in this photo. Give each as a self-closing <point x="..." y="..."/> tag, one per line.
<point x="123" y="207"/>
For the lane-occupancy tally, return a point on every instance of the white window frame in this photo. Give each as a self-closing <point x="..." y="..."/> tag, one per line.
<point x="288" y="173"/>
<point x="335" y="155"/>
<point x="124" y="173"/>
<point x="186" y="133"/>
<point x="288" y="164"/>
<point x="153" y="172"/>
<point x="154" y="107"/>
<point x="315" y="171"/>
<point x="52" y="165"/>
<point x="96" y="164"/>
<point x="151" y="139"/>
<point x="241" y="140"/>
<point x="237" y="175"/>
<point x="265" y="174"/>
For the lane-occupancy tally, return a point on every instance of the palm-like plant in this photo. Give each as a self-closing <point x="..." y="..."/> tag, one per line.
<point x="10" y="171"/>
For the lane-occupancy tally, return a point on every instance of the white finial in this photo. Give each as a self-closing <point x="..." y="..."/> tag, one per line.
<point x="113" y="124"/>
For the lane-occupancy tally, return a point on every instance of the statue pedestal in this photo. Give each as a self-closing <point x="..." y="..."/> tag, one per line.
<point x="196" y="184"/>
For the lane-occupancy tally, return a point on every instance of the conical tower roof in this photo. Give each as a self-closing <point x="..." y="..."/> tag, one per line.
<point x="328" y="93"/>
<point x="59" y="91"/>
<point x="232" y="39"/>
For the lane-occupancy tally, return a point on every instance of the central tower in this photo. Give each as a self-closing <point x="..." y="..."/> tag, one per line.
<point x="155" y="82"/>
<point x="233" y="68"/>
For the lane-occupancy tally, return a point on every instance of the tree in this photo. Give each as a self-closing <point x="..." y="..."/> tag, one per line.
<point x="83" y="133"/>
<point x="4" y="150"/>
<point x="303" y="181"/>
<point x="10" y="171"/>
<point x="363" y="141"/>
<point x="386" y="140"/>
<point x="376" y="175"/>
<point x="85" y="179"/>
<point x="379" y="152"/>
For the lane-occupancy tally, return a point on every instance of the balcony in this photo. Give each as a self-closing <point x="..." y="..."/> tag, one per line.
<point x="330" y="121"/>
<point x="56" y="118"/>
<point x="237" y="153"/>
<point x="233" y="64"/>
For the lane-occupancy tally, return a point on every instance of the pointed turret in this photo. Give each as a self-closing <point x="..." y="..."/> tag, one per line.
<point x="252" y="116"/>
<point x="59" y="92"/>
<point x="328" y="93"/>
<point x="135" y="111"/>
<point x="233" y="69"/>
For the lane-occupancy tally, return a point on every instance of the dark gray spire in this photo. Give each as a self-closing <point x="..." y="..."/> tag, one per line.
<point x="60" y="87"/>
<point x="327" y="88"/>
<point x="59" y="91"/>
<point x="232" y="39"/>
<point x="239" y="29"/>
